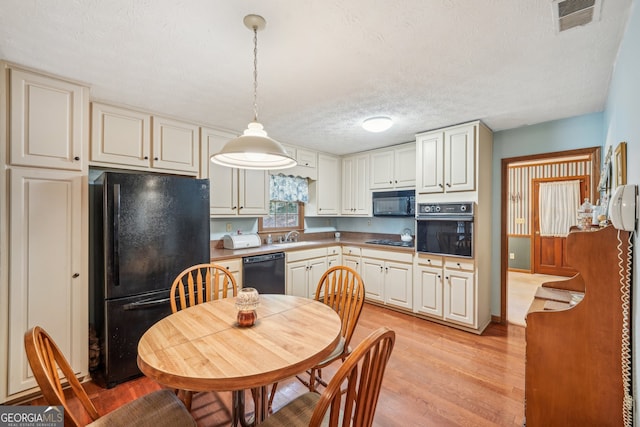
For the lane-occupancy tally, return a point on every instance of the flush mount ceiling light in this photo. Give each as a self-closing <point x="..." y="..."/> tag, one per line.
<point x="254" y="149"/>
<point x="377" y="124"/>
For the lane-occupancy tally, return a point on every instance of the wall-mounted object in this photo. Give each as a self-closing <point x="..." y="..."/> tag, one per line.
<point x="621" y="164"/>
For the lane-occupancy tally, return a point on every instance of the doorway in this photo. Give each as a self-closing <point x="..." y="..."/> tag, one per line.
<point x="592" y="153"/>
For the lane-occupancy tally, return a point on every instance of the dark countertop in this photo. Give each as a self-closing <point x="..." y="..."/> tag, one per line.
<point x="348" y="239"/>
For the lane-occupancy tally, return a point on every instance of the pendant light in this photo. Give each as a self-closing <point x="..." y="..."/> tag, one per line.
<point x="254" y="149"/>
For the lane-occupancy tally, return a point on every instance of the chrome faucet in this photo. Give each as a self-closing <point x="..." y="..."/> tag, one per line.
<point x="291" y="236"/>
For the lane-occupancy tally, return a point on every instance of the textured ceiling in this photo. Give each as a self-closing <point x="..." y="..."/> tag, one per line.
<point x="325" y="65"/>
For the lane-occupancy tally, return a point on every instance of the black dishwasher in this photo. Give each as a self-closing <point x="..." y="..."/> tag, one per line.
<point x="264" y="272"/>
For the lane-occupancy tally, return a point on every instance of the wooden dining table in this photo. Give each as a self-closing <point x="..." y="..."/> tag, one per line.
<point x="202" y="348"/>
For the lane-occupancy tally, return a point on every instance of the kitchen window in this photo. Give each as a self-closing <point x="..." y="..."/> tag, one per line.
<point x="283" y="216"/>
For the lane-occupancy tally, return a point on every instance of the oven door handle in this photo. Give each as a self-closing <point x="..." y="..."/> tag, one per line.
<point x="465" y="218"/>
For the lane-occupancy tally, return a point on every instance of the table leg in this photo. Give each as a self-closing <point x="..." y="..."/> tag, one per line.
<point x="238" y="416"/>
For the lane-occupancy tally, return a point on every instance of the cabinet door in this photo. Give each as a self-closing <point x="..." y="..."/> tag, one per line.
<point x="351" y="261"/>
<point x="235" y="268"/>
<point x="328" y="185"/>
<point x="120" y="136"/>
<point x="427" y="296"/>
<point x="398" y="284"/>
<point x="223" y="181"/>
<point x="405" y="166"/>
<point x="175" y="146"/>
<point x="47" y="267"/>
<point x="348" y="185"/>
<point x="297" y="283"/>
<point x="430" y="155"/>
<point x="459" y="159"/>
<point x="253" y="192"/>
<point x="361" y="193"/>
<point x="373" y="277"/>
<point x="459" y="297"/>
<point x="317" y="268"/>
<point x="382" y="169"/>
<point x="47" y="122"/>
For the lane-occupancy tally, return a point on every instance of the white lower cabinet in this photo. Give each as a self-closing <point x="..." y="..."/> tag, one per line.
<point x="48" y="267"/>
<point x="304" y="270"/>
<point x="234" y="266"/>
<point x="351" y="257"/>
<point x="388" y="277"/>
<point x="334" y="256"/>
<point x="444" y="288"/>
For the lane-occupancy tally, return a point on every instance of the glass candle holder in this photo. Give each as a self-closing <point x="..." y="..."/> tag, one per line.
<point x="246" y="302"/>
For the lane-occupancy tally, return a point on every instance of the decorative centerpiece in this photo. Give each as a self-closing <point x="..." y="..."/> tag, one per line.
<point x="246" y="302"/>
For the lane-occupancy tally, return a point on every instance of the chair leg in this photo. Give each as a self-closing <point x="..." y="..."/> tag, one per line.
<point x="271" y="396"/>
<point x="186" y="397"/>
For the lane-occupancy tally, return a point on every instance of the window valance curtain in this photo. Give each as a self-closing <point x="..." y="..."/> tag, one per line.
<point x="288" y="188"/>
<point x="558" y="204"/>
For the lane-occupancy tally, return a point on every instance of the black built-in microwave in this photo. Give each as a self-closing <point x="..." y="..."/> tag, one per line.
<point x="394" y="203"/>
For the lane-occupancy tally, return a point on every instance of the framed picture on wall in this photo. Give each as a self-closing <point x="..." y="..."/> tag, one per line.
<point x="621" y="164"/>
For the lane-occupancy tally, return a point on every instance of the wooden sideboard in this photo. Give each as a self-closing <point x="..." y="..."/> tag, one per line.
<point x="575" y="355"/>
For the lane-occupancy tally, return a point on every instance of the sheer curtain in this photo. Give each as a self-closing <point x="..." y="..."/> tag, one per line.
<point x="558" y="205"/>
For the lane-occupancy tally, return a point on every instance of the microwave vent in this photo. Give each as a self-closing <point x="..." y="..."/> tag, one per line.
<point x="569" y="14"/>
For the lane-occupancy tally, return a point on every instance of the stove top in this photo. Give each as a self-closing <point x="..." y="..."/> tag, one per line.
<point x="388" y="242"/>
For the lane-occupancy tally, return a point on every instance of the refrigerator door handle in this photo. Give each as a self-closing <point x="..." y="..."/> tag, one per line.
<point x="146" y="304"/>
<point x="116" y="235"/>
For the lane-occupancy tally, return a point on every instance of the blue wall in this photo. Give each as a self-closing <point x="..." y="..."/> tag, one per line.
<point x="558" y="135"/>
<point x="622" y="123"/>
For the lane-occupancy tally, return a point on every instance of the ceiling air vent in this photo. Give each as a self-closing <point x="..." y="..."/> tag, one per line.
<point x="575" y="13"/>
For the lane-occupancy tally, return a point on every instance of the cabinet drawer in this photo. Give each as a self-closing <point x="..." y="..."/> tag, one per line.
<point x="293" y="256"/>
<point x="231" y="264"/>
<point x="351" y="250"/>
<point x="334" y="250"/>
<point x="387" y="255"/>
<point x="431" y="261"/>
<point x="459" y="264"/>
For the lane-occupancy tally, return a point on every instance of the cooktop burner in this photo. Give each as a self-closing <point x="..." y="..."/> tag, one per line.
<point x="388" y="242"/>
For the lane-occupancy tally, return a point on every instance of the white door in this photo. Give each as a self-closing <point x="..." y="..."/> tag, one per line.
<point x="430" y="164"/>
<point x="317" y="268"/>
<point x="253" y="192"/>
<point x="404" y="166"/>
<point x="175" y="145"/>
<point x="397" y="284"/>
<point x="427" y="298"/>
<point x="48" y="267"/>
<point x="47" y="121"/>
<point x="459" y="297"/>
<point x="373" y="277"/>
<point x="381" y="169"/>
<point x="459" y="159"/>
<point x="297" y="279"/>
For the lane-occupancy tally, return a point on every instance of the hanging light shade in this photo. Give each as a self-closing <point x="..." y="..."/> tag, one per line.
<point x="254" y="149"/>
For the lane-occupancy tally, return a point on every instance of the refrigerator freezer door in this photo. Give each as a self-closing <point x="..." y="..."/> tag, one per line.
<point x="154" y="227"/>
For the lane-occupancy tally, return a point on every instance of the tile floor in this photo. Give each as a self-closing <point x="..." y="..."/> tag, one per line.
<point x="521" y="288"/>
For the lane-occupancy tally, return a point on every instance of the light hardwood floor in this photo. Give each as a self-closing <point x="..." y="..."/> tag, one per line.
<point x="437" y="376"/>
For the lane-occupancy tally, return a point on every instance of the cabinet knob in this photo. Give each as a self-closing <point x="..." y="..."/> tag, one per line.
<point x="448" y="185"/>
<point x="76" y="275"/>
<point x="440" y="185"/>
<point x="146" y="157"/>
<point x="458" y="264"/>
<point x="234" y="208"/>
<point x="76" y="158"/>
<point x="390" y="182"/>
<point x="241" y="207"/>
<point x="439" y="276"/>
<point x="381" y="269"/>
<point x="155" y="158"/>
<point x="396" y="181"/>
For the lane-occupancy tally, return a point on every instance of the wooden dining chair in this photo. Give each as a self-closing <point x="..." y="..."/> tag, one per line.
<point x="353" y="405"/>
<point x="201" y="283"/>
<point x="195" y="285"/>
<point x="50" y="368"/>
<point x="342" y="289"/>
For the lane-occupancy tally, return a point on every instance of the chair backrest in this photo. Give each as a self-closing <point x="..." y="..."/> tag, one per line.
<point x="201" y="283"/>
<point x="342" y="289"/>
<point x="363" y="371"/>
<point x="47" y="362"/>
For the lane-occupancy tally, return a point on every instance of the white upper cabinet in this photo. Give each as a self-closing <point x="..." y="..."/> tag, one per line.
<point x="307" y="166"/>
<point x="393" y="168"/>
<point x="447" y="159"/>
<point x="324" y="193"/>
<point x="121" y="137"/>
<point x="233" y="191"/>
<point x="356" y="196"/>
<point x="48" y="121"/>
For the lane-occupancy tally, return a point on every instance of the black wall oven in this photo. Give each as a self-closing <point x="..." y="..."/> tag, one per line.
<point x="445" y="229"/>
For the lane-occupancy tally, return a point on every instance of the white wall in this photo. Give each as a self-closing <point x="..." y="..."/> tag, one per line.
<point x="622" y="123"/>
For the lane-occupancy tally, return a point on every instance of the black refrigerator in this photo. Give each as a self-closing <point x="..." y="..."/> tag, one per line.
<point x="144" y="230"/>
